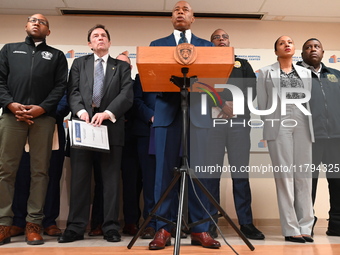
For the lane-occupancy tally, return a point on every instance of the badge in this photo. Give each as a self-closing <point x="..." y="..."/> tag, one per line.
<point x="237" y="64"/>
<point x="185" y="54"/>
<point x="46" y="55"/>
<point x="332" y="78"/>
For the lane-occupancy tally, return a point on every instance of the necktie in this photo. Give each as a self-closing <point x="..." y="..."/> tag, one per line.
<point x="183" y="39"/>
<point x="98" y="82"/>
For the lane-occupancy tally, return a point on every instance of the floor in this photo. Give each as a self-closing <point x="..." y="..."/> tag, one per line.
<point x="274" y="244"/>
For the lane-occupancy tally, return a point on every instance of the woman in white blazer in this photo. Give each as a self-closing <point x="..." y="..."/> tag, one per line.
<point x="289" y="136"/>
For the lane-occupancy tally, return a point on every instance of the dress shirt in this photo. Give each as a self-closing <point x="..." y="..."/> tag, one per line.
<point x="104" y="62"/>
<point x="177" y="35"/>
<point x="316" y="72"/>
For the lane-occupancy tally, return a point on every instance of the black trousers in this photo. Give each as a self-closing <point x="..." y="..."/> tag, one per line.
<point x="327" y="152"/>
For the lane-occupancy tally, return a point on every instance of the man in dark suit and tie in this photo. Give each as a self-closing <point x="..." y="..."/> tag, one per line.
<point x="167" y="124"/>
<point x="98" y="95"/>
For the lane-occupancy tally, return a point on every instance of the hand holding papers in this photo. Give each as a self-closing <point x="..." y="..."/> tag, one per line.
<point x="87" y="136"/>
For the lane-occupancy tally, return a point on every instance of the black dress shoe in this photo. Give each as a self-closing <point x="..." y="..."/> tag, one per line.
<point x="148" y="233"/>
<point x="173" y="234"/>
<point x="69" y="236"/>
<point x="332" y="233"/>
<point x="112" y="236"/>
<point x="308" y="239"/>
<point x="213" y="231"/>
<point x="251" y="232"/>
<point x="295" y="239"/>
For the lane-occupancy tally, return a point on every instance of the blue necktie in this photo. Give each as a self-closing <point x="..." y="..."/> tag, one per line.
<point x="183" y="39"/>
<point x="98" y="82"/>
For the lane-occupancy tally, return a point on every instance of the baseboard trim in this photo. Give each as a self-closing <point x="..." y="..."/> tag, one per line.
<point x="223" y="222"/>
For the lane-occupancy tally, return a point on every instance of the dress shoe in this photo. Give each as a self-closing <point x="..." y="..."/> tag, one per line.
<point x="332" y="233"/>
<point x="148" y="233"/>
<point x="32" y="232"/>
<point x="130" y="229"/>
<point x="5" y="235"/>
<point x="162" y="238"/>
<point x="205" y="240"/>
<point x="69" y="236"/>
<point x="213" y="231"/>
<point x="17" y="231"/>
<point x="112" y="236"/>
<point x="173" y="233"/>
<point x="52" y="231"/>
<point x="251" y="232"/>
<point x="96" y="231"/>
<point x="307" y="238"/>
<point x="295" y="239"/>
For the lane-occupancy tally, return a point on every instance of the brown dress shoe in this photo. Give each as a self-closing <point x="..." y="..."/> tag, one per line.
<point x="17" y="231"/>
<point x="162" y="239"/>
<point x="130" y="229"/>
<point x="52" y="231"/>
<point x="5" y="236"/>
<point x="33" y="234"/>
<point x="148" y="233"/>
<point x="96" y="231"/>
<point x="205" y="240"/>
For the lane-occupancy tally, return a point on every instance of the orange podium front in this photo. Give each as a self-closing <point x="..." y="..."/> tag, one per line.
<point x="156" y="65"/>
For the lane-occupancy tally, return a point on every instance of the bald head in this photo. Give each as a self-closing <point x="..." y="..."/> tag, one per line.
<point x="220" y="38"/>
<point x="182" y="16"/>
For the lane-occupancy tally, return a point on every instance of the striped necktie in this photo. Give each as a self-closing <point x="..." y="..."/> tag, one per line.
<point x="183" y="39"/>
<point x="98" y="82"/>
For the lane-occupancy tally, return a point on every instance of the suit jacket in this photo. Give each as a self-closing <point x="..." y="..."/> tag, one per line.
<point x="168" y="104"/>
<point x="144" y="106"/>
<point x="117" y="96"/>
<point x="269" y="78"/>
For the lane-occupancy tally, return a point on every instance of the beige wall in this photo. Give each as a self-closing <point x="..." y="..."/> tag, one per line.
<point x="140" y="31"/>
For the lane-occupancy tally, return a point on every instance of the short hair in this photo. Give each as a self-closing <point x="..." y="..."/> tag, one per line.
<point x="126" y="54"/>
<point x="95" y="27"/>
<point x="310" y="39"/>
<point x="211" y="37"/>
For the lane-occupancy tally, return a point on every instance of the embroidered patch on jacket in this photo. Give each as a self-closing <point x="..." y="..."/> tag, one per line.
<point x="46" y="55"/>
<point x="332" y="78"/>
<point x="237" y="64"/>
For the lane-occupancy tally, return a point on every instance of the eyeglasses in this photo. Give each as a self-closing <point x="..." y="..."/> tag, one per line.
<point x="35" y="20"/>
<point x="218" y="37"/>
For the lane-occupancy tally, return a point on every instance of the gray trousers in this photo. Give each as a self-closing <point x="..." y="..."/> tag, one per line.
<point x="13" y="136"/>
<point x="291" y="155"/>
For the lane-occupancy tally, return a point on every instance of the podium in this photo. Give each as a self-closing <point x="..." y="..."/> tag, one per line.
<point x="159" y="69"/>
<point x="157" y="64"/>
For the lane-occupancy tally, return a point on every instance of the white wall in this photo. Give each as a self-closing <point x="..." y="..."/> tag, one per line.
<point x="140" y="31"/>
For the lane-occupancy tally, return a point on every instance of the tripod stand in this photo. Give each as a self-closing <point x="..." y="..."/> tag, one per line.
<point x="183" y="83"/>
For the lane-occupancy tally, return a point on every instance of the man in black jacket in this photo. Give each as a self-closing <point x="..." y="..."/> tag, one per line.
<point x="325" y="105"/>
<point x="33" y="79"/>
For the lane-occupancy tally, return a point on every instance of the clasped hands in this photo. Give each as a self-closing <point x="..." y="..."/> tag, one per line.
<point x="26" y="113"/>
<point x="226" y="111"/>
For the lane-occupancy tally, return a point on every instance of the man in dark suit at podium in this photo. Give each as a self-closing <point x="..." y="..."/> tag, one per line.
<point x="168" y="126"/>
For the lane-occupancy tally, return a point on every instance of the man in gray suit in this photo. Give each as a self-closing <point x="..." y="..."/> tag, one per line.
<point x="107" y="107"/>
